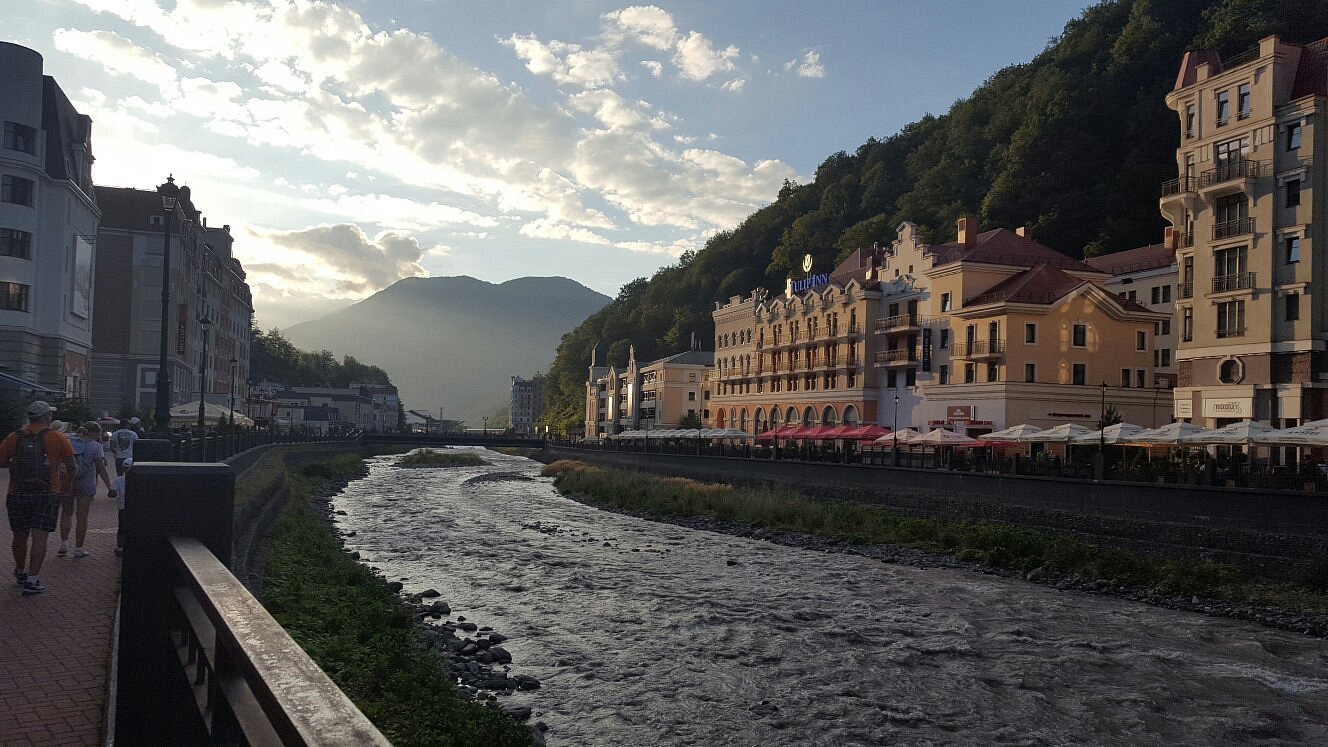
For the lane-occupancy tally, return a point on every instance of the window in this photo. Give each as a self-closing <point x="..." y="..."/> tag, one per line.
<point x="945" y="374"/>
<point x="1133" y="295"/>
<point x="1030" y="333"/>
<point x="945" y="338"/>
<point x="891" y="379"/>
<point x="1187" y="325"/>
<point x="1030" y="372"/>
<point x="1229" y="267"/>
<point x="20" y="137"/>
<point x="993" y="372"/>
<point x="1292" y="244"/>
<point x="1139" y="378"/>
<point x="1166" y="326"/>
<point x="14" y="297"/>
<point x="16" y="190"/>
<point x="1293" y="137"/>
<point x="911" y="377"/>
<point x="1157" y="357"/>
<point x="1243" y="101"/>
<point x="1141" y="340"/>
<point x="1157" y="294"/>
<point x="15" y="243"/>
<point x="1223" y="108"/>
<point x="1230" y="371"/>
<point x="691" y="396"/>
<point x="1189" y="120"/>
<point x="1125" y="378"/>
<point x="1166" y="357"/>
<point x="970" y="373"/>
<point x="1166" y="293"/>
<point x="1078" y="373"/>
<point x="1231" y="319"/>
<point x="1080" y="335"/>
<point x="945" y="302"/>
<point x="1292" y="307"/>
<point x="1291" y="193"/>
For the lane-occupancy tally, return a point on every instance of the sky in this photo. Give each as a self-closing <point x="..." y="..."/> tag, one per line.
<point x="351" y="144"/>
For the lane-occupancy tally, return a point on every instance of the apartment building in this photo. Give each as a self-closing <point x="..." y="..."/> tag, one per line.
<point x="658" y="395"/>
<point x="1247" y="208"/>
<point x="324" y="409"/>
<point x="48" y="229"/>
<point x="210" y="300"/>
<point x="526" y="404"/>
<point x="1149" y="277"/>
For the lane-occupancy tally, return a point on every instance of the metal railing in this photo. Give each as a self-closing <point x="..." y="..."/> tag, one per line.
<point x="1249" y="55"/>
<point x="1238" y="281"/>
<point x="1239" y="168"/>
<point x="1185" y="238"/>
<point x="1228" y="228"/>
<point x="1179" y="185"/>
<point x="897" y="356"/>
<point x="1186" y="289"/>
<point x="978" y="348"/>
<point x="1231" y="332"/>
<point x="898" y="322"/>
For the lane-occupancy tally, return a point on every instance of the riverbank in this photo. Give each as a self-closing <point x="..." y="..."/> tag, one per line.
<point x="790" y="518"/>
<point x="354" y="624"/>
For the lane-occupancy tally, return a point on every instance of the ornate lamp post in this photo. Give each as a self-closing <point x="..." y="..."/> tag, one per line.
<point x="204" y="324"/>
<point x="170" y="194"/>
<point x="234" y="360"/>
<point x="894" y="433"/>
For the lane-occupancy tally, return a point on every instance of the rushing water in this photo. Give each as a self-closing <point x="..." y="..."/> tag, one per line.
<point x="646" y="633"/>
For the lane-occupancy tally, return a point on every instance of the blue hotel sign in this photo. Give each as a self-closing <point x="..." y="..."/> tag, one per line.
<point x="811" y="282"/>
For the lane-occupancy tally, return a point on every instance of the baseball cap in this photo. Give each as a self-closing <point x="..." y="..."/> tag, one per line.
<point x="39" y="409"/>
<point x="134" y="421"/>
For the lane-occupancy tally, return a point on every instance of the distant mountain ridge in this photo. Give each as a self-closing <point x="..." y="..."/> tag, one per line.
<point x="454" y="342"/>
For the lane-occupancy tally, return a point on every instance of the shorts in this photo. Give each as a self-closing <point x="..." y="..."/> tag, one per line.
<point x="32" y="511"/>
<point x="119" y="466"/>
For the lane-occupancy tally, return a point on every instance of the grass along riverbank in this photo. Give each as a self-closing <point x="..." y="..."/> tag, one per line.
<point x="348" y="620"/>
<point x="1039" y="556"/>
<point x="431" y="458"/>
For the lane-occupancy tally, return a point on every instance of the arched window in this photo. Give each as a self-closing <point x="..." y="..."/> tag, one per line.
<point x="719" y="418"/>
<point x="742" y="419"/>
<point x="828" y="417"/>
<point x="808" y="417"/>
<point x="758" y="424"/>
<point x="850" y="415"/>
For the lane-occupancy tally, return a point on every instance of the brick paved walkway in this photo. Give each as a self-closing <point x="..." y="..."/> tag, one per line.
<point x="55" y="647"/>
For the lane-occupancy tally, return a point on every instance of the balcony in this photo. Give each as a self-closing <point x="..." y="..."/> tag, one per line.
<point x="1238" y="281"/>
<point x="1185" y="238"/>
<point x="899" y="358"/>
<point x="1234" y="173"/>
<point x="1185" y="290"/>
<point x="1178" y="186"/>
<point x="1229" y="228"/>
<point x="898" y="323"/>
<point x="979" y="349"/>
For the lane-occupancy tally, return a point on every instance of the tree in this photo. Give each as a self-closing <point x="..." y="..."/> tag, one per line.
<point x="690" y="420"/>
<point x="1110" y="417"/>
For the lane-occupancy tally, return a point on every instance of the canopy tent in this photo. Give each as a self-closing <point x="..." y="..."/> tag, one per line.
<point x="1061" y="434"/>
<point x="212" y="414"/>
<point x="1237" y="434"/>
<point x="943" y="437"/>
<point x="1013" y="433"/>
<point x="837" y="432"/>
<point x="1169" y="434"/>
<point x="807" y="431"/>
<point x="1301" y="435"/>
<point x="866" y="433"/>
<point x="904" y="436"/>
<point x="1120" y="433"/>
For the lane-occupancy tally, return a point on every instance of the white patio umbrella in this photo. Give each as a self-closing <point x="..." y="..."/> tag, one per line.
<point x="212" y="414"/>
<point x="1237" y="434"/>
<point x="905" y="436"/>
<point x="1061" y="434"/>
<point x="1120" y="433"/>
<point x="1013" y="433"/>
<point x="942" y="437"/>
<point x="732" y="433"/>
<point x="1169" y="434"/>
<point x="1301" y="435"/>
<point x="689" y="432"/>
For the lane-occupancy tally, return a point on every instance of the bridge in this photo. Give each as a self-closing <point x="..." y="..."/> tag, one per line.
<point x="453" y="439"/>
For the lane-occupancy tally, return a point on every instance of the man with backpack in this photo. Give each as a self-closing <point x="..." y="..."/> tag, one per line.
<point x="89" y="463"/>
<point x="122" y="443"/>
<point x="34" y="455"/>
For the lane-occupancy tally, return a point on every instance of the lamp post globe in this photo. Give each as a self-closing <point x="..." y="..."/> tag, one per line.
<point x="204" y="324"/>
<point x="170" y="195"/>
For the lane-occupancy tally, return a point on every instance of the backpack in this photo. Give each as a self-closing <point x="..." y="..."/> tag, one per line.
<point x="30" y="472"/>
<point x="83" y="465"/>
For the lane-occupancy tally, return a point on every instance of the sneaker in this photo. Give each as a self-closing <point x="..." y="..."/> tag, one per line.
<point x="21" y="578"/>
<point x="63" y="551"/>
<point x="81" y="553"/>
<point x="32" y="587"/>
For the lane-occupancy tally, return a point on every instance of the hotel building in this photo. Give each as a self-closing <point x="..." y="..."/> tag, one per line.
<point x="48" y="228"/>
<point x="658" y="395"/>
<point x="526" y="404"/>
<point x="1247" y="208"/>
<point x="1148" y="276"/>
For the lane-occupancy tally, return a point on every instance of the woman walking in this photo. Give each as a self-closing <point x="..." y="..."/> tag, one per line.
<point x="89" y="463"/>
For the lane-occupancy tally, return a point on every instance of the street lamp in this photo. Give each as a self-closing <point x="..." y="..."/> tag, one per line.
<point x="204" y="324"/>
<point x="1100" y="461"/>
<point x="486" y="426"/>
<point x="231" y="387"/>
<point x="894" y="433"/>
<point x="1157" y="390"/>
<point x="170" y="194"/>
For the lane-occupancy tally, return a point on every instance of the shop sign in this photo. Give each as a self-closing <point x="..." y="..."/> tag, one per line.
<point x="1185" y="407"/>
<point x="1229" y="408"/>
<point x="811" y="282"/>
<point x="926" y="349"/>
<point x="1070" y="416"/>
<point x="959" y="412"/>
<point x="937" y="423"/>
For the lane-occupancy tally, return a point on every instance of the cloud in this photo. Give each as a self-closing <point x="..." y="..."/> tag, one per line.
<point x="644" y="24"/>
<point x="734" y="85"/>
<point x="358" y="263"/>
<point x="655" y="67"/>
<point x="807" y="66"/>
<point x="697" y="58"/>
<point x="567" y="64"/>
<point x="118" y="55"/>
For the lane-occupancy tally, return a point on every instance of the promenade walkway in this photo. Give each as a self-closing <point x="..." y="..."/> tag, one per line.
<point x="55" y="648"/>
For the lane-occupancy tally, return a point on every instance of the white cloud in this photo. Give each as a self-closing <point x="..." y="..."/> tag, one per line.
<point x="807" y="66"/>
<point x="567" y="64"/>
<point x="547" y="229"/>
<point x="697" y="58"/>
<point x="118" y="55"/>
<point x="655" y="67"/>
<point x="343" y="252"/>
<point x="644" y="24"/>
<point x="734" y="85"/>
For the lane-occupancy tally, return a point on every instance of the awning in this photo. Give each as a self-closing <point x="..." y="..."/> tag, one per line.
<point x="10" y="381"/>
<point x="867" y="433"/>
<point x="837" y="432"/>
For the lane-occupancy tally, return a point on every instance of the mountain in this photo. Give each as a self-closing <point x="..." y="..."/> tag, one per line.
<point x="1073" y="144"/>
<point x="454" y="342"/>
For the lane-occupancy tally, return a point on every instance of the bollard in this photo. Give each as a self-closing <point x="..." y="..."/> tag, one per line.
<point x="154" y="700"/>
<point x="154" y="450"/>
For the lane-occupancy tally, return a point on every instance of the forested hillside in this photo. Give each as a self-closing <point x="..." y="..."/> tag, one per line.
<point x="1073" y="144"/>
<point x="274" y="358"/>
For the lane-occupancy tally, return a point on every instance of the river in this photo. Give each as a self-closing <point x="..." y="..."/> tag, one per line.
<point x="645" y="633"/>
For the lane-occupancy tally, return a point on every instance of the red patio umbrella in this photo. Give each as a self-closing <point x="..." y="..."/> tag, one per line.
<point x="837" y="432"/>
<point x="867" y="433"/>
<point x="806" y="431"/>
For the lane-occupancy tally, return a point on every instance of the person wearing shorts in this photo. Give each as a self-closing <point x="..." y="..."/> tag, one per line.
<point x="87" y="447"/>
<point x="32" y="513"/>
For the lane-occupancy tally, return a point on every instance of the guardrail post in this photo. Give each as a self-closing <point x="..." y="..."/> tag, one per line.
<point x="154" y="700"/>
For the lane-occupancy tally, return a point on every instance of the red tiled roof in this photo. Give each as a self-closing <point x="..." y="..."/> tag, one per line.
<point x="1001" y="246"/>
<point x="1133" y="260"/>
<point x="1189" y="66"/>
<point x="1041" y="285"/>
<point x="852" y="267"/>
<point x="1312" y="74"/>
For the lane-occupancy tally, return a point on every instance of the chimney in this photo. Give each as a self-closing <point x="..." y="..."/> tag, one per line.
<point x="968" y="231"/>
<point x="1024" y="232"/>
<point x="1169" y="237"/>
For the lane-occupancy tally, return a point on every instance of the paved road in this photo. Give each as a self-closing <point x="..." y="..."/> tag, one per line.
<point x="55" y="648"/>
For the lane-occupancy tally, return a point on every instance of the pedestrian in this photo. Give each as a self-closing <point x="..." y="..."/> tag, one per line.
<point x="89" y="463"/>
<point x="119" y="521"/>
<point x="136" y="426"/>
<point x="34" y="454"/>
<point x="122" y="444"/>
